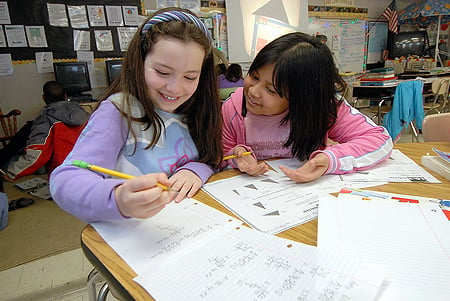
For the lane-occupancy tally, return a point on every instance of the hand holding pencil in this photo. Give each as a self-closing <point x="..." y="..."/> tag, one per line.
<point x="246" y="163"/>
<point x="138" y="197"/>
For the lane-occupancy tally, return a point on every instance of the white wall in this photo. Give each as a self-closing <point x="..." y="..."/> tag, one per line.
<point x="23" y="89"/>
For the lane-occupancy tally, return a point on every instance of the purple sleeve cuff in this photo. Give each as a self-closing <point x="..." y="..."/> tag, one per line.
<point x="202" y="170"/>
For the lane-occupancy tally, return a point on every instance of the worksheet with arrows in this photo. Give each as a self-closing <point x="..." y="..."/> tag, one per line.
<point x="272" y="202"/>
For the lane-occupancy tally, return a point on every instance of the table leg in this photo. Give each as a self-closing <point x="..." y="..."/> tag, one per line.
<point x="379" y="111"/>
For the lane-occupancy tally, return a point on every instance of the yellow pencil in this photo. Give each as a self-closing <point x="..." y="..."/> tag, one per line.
<point x="85" y="165"/>
<point x="234" y="156"/>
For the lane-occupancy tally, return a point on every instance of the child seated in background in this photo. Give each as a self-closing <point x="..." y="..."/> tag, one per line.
<point x="49" y="138"/>
<point x="232" y="77"/>
<point x="290" y="106"/>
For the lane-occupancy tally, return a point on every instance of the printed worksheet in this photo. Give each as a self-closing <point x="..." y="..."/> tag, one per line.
<point x="244" y="264"/>
<point x="272" y="202"/>
<point x="397" y="168"/>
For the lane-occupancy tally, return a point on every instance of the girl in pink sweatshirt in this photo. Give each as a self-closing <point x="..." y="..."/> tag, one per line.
<point x="290" y="106"/>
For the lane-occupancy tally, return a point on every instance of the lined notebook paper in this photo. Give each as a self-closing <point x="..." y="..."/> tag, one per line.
<point x="245" y="264"/>
<point x="411" y="240"/>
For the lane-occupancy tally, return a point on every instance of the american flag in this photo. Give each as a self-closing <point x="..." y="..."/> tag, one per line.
<point x="392" y="16"/>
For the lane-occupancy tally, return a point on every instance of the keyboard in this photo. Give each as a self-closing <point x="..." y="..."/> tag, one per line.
<point x="81" y="98"/>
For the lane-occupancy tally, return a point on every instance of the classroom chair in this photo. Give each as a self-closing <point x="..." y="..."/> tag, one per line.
<point x="224" y="93"/>
<point x="407" y="108"/>
<point x="436" y="128"/>
<point x="440" y="94"/>
<point x="9" y="125"/>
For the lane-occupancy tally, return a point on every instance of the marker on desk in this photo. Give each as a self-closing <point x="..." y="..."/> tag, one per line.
<point x="85" y="165"/>
<point x="234" y="156"/>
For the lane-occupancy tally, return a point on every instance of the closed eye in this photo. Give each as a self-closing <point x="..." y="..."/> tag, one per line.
<point x="161" y="72"/>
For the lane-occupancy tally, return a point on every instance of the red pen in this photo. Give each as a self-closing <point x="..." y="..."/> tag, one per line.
<point x="404" y="200"/>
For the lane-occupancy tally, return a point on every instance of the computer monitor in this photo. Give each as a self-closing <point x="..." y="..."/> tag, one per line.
<point x="113" y="69"/>
<point x="74" y="76"/>
<point x="408" y="43"/>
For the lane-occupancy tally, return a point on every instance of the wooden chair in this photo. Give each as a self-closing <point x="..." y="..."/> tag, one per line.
<point x="436" y="128"/>
<point x="9" y="125"/>
<point x="440" y="93"/>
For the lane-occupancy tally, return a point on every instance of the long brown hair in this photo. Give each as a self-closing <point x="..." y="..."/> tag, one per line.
<point x="202" y="111"/>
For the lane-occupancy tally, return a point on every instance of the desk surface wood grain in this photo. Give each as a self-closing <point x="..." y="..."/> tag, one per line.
<point x="305" y="233"/>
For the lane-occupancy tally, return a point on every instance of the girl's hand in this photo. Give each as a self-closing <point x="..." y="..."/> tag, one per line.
<point x="186" y="182"/>
<point x="311" y="170"/>
<point x="248" y="164"/>
<point x="141" y="197"/>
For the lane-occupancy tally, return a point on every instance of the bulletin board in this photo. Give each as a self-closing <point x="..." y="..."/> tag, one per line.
<point x="346" y="39"/>
<point x="59" y="39"/>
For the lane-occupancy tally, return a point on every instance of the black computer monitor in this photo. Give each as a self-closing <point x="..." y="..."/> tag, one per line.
<point x="113" y="69"/>
<point x="408" y="43"/>
<point x="74" y="76"/>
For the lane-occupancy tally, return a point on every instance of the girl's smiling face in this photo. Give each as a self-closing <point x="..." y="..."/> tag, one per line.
<point x="261" y="97"/>
<point x="172" y="72"/>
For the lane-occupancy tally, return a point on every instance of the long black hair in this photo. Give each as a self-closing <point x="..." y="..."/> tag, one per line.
<point x="304" y="73"/>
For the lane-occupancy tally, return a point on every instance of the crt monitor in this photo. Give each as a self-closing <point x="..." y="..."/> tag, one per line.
<point x="113" y="69"/>
<point x="74" y="76"/>
<point x="408" y="43"/>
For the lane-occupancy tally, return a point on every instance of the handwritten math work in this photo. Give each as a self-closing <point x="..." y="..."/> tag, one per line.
<point x="190" y="251"/>
<point x="245" y="264"/>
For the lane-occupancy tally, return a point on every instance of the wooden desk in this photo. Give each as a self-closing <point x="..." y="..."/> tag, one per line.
<point x="120" y="275"/>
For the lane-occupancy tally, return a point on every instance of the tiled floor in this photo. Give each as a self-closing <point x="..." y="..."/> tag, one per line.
<point x="63" y="277"/>
<point x="57" y="278"/>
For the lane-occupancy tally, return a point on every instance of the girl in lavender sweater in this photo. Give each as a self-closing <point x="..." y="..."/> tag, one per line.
<point x="151" y="123"/>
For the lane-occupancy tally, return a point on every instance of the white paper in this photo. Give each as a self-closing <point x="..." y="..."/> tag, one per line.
<point x="146" y="243"/>
<point x="36" y="36"/>
<point x="130" y="15"/>
<point x="6" y="67"/>
<point x="2" y="37"/>
<point x="78" y="16"/>
<point x="103" y="40"/>
<point x="15" y="34"/>
<point x="272" y="202"/>
<point x="4" y="13"/>
<point x="125" y="35"/>
<point x="411" y="240"/>
<point x="243" y="264"/>
<point x="81" y="40"/>
<point x="397" y="168"/>
<point x="166" y="3"/>
<point x="57" y="15"/>
<point x="96" y="15"/>
<point x="114" y="15"/>
<point x="44" y="62"/>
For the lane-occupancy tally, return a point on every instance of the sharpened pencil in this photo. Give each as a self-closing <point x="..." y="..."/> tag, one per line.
<point x="114" y="173"/>
<point x="234" y="156"/>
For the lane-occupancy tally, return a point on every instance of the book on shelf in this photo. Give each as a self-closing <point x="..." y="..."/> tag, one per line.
<point x="376" y="75"/>
<point x="378" y="83"/>
<point x="378" y="79"/>
<point x="381" y="71"/>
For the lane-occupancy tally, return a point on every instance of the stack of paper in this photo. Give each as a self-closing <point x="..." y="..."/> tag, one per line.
<point x="411" y="239"/>
<point x="439" y="164"/>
